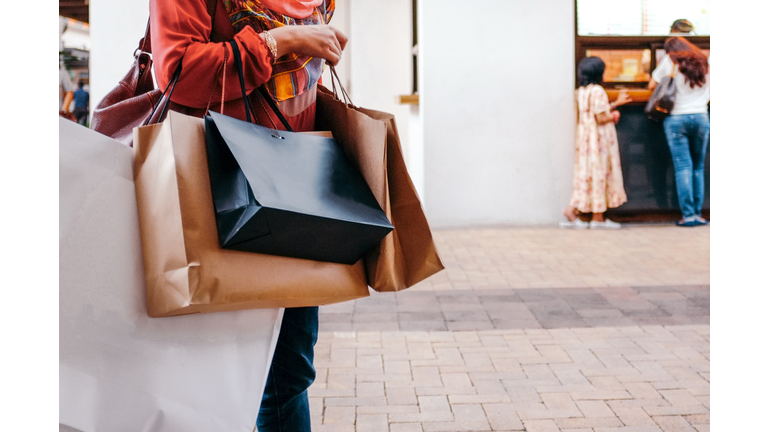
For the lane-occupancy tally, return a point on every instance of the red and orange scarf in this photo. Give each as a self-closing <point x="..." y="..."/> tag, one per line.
<point x="292" y="75"/>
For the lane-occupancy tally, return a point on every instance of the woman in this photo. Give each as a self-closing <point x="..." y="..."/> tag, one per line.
<point x="597" y="180"/>
<point x="283" y="44"/>
<point x="687" y="127"/>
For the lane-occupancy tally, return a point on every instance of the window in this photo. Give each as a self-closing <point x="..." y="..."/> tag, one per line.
<point x="639" y="17"/>
<point x="629" y="35"/>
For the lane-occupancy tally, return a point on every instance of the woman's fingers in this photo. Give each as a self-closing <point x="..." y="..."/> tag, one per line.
<point x="321" y="41"/>
<point x="341" y="38"/>
<point x="338" y="41"/>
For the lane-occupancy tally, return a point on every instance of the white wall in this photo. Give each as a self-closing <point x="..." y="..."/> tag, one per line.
<point x="116" y="28"/>
<point x="497" y="110"/>
<point x="379" y="51"/>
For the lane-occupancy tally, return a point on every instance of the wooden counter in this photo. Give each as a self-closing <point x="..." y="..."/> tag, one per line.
<point x="637" y="95"/>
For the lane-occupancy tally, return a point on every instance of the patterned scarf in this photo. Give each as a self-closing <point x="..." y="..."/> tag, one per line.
<point x="292" y="74"/>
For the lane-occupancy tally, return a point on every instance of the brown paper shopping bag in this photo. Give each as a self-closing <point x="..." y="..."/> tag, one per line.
<point x="407" y="255"/>
<point x="186" y="270"/>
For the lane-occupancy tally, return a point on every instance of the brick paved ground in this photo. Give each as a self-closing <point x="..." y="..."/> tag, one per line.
<point x="528" y="329"/>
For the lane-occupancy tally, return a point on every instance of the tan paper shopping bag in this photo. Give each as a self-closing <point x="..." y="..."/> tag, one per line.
<point x="408" y="254"/>
<point x="186" y="270"/>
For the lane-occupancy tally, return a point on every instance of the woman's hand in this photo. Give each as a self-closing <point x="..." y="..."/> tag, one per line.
<point x="604" y="117"/>
<point x="322" y="41"/>
<point x="652" y="84"/>
<point x="616" y="115"/>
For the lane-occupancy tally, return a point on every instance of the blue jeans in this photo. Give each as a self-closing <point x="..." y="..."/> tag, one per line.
<point x="688" y="137"/>
<point x="285" y="405"/>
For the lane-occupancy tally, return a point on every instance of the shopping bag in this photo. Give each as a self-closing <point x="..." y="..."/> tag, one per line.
<point x="120" y="370"/>
<point x="285" y="193"/>
<point x="369" y="138"/>
<point x="662" y="100"/>
<point x="186" y="269"/>
<point x="289" y="194"/>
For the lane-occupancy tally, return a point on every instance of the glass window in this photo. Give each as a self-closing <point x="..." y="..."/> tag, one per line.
<point x="624" y="65"/>
<point x="640" y="17"/>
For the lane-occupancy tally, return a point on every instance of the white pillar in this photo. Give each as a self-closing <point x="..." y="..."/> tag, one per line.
<point x="497" y="110"/>
<point x="116" y="28"/>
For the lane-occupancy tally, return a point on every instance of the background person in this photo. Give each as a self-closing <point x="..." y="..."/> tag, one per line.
<point x="681" y="26"/>
<point x="597" y="177"/>
<point x="687" y="127"/>
<point x="65" y="93"/>
<point x="81" y="98"/>
<point x="283" y="44"/>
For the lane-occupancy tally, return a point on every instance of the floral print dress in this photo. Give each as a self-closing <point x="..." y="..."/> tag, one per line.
<point x="597" y="179"/>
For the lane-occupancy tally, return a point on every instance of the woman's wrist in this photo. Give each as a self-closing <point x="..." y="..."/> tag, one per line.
<point x="284" y="39"/>
<point x="271" y="44"/>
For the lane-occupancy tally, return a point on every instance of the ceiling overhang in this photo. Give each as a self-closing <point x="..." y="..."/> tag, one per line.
<point x="75" y="9"/>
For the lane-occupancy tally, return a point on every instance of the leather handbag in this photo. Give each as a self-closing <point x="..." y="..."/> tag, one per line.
<point x="663" y="99"/>
<point x="132" y="102"/>
<point x="286" y="193"/>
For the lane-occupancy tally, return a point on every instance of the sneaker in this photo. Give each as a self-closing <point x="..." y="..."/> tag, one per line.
<point x="607" y="224"/>
<point x="576" y="224"/>
<point x="687" y="223"/>
<point x="698" y="220"/>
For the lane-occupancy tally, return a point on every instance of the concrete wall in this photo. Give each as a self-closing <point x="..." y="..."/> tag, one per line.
<point x="497" y="110"/>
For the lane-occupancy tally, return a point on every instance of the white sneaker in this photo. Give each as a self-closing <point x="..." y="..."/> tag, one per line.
<point x="608" y="224"/>
<point x="576" y="224"/>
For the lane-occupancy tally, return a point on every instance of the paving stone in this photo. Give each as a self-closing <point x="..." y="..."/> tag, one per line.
<point x="405" y="427"/>
<point x="673" y="424"/>
<point x="333" y="428"/>
<point x="540" y="426"/>
<point x="339" y="415"/>
<point x="502" y="417"/>
<point x="601" y="395"/>
<point x="372" y="423"/>
<point x="354" y="401"/>
<point x="633" y="416"/>
<point x="591" y="422"/>
<point x="594" y="409"/>
<point x="422" y="417"/>
<point x="675" y="410"/>
<point x="645" y="428"/>
<point x="642" y="390"/>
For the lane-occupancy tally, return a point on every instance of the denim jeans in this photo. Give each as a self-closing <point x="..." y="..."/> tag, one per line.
<point x="688" y="137"/>
<point x="285" y="405"/>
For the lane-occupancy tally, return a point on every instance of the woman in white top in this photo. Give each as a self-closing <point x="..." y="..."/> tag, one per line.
<point x="687" y="127"/>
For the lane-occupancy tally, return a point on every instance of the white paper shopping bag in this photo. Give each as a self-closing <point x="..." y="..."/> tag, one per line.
<point x="120" y="370"/>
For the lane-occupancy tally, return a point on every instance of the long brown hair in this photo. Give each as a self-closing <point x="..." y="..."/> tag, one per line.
<point x="690" y="59"/>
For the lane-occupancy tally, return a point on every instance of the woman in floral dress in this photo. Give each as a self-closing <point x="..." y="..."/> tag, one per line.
<point x="597" y="180"/>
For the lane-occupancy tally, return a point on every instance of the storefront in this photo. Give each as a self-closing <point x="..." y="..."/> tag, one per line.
<point x="629" y="37"/>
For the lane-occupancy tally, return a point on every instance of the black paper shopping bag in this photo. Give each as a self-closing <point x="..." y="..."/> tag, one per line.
<point x="289" y="194"/>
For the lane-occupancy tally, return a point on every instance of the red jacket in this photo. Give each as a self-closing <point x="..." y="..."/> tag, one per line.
<point x="180" y="29"/>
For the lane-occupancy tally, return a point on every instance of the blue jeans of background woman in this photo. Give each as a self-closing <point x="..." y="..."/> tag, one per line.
<point x="688" y="138"/>
<point x="285" y="405"/>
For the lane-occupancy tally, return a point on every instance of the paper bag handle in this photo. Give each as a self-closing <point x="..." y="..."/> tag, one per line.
<point x="262" y="90"/>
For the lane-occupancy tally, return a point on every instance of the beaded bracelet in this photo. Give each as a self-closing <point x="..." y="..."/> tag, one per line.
<point x="271" y="44"/>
